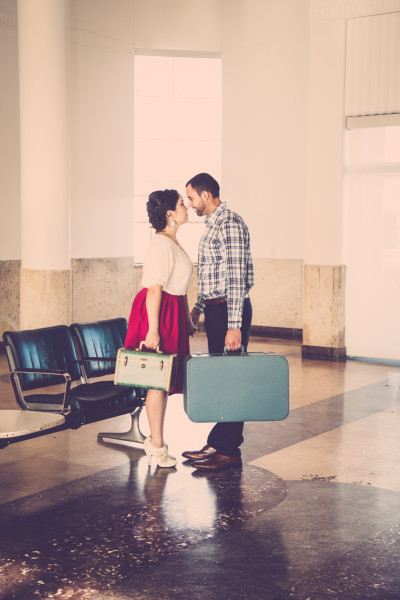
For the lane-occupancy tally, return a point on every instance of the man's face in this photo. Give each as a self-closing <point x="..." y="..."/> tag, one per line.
<point x="196" y="202"/>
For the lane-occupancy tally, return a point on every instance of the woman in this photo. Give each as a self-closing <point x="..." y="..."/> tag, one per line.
<point x="160" y="315"/>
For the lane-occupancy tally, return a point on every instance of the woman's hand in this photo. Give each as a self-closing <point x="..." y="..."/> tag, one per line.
<point x="191" y="326"/>
<point x="193" y="321"/>
<point x="152" y="340"/>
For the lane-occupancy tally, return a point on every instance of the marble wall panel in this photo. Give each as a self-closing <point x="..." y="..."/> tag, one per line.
<point x="277" y="293"/>
<point x="103" y="288"/>
<point x="9" y="295"/>
<point x="45" y="297"/>
<point x="323" y="306"/>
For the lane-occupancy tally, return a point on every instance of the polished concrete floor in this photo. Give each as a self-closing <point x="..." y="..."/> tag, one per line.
<point x="314" y="513"/>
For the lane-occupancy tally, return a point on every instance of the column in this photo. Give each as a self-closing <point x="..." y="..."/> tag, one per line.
<point x="324" y="275"/>
<point x="43" y="44"/>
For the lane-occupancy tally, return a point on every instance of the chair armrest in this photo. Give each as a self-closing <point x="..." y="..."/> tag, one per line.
<point x="43" y="372"/>
<point x="66" y="376"/>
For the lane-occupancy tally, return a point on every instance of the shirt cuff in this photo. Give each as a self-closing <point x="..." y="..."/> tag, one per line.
<point x="235" y="312"/>
<point x="234" y="323"/>
<point x="199" y="306"/>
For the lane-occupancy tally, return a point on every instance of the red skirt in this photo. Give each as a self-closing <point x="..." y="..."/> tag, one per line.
<point x="173" y="329"/>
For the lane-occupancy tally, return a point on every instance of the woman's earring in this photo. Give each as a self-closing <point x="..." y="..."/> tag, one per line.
<point x="172" y="222"/>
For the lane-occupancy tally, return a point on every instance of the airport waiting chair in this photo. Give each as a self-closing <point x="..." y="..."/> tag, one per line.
<point x="52" y="374"/>
<point x="102" y="339"/>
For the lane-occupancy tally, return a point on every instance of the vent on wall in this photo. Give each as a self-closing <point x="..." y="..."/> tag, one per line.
<point x="373" y="65"/>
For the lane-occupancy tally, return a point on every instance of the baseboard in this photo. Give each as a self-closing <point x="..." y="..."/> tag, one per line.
<point x="283" y="333"/>
<point x="323" y="353"/>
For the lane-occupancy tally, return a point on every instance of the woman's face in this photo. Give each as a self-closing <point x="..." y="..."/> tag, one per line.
<point x="180" y="214"/>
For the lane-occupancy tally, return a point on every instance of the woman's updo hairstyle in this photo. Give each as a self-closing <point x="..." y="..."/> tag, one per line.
<point x="158" y="204"/>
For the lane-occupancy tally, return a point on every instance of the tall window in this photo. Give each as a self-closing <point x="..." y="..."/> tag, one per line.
<point x="177" y="134"/>
<point x="372" y="242"/>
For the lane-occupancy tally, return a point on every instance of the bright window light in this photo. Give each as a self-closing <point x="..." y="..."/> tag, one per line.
<point x="372" y="242"/>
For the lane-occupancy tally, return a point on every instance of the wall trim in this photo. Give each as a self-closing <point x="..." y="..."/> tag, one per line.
<point x="82" y="37"/>
<point x="363" y="121"/>
<point x="177" y="53"/>
<point x="323" y="353"/>
<point x="321" y="10"/>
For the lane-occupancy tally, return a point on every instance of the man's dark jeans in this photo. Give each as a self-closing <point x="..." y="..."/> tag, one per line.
<point x="225" y="437"/>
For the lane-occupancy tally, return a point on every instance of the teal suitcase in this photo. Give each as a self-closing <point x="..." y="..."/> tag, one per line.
<point x="252" y="386"/>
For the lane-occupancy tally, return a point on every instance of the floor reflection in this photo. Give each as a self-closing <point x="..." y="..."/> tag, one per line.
<point x="93" y="531"/>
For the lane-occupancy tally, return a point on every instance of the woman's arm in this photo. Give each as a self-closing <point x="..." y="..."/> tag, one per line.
<point x="153" y="305"/>
<point x="192" y="328"/>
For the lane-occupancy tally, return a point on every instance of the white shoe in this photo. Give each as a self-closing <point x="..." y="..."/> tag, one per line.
<point x="160" y="454"/>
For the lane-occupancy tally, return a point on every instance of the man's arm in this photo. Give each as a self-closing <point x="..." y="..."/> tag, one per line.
<point x="235" y="245"/>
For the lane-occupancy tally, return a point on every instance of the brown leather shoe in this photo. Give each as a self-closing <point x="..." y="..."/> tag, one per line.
<point x="218" y="462"/>
<point x="205" y="452"/>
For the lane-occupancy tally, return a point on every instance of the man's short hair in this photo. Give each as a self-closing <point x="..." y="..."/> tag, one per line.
<point x="203" y="182"/>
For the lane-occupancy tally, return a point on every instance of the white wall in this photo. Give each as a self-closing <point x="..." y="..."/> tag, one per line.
<point x="264" y="50"/>
<point x="264" y="110"/>
<point x="265" y="78"/>
<point x="325" y="142"/>
<point x="102" y="60"/>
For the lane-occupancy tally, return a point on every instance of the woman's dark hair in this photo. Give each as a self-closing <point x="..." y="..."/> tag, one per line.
<point x="203" y="182"/>
<point x="158" y="204"/>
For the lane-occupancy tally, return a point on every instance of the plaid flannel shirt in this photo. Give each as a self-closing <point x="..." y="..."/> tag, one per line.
<point x="225" y="266"/>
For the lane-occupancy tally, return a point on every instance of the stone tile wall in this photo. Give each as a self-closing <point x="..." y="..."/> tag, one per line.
<point x="105" y="287"/>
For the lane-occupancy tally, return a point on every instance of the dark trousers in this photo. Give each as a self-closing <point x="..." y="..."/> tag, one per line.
<point x="225" y="437"/>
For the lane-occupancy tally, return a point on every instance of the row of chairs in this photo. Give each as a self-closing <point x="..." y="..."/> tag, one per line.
<point x="66" y="371"/>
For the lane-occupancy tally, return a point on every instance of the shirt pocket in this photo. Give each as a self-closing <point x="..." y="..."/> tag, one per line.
<point x="213" y="251"/>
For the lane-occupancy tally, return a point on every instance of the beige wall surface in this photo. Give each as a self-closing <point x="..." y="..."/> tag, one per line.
<point x="10" y="187"/>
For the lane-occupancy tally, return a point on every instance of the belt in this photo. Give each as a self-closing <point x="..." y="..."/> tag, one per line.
<point x="212" y="301"/>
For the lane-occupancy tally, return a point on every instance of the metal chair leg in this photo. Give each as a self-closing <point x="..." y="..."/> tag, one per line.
<point x="133" y="435"/>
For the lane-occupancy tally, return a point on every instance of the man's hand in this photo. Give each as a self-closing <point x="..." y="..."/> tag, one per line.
<point x="233" y="339"/>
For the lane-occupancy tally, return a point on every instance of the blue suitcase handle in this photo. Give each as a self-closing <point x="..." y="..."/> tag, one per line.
<point x="242" y="351"/>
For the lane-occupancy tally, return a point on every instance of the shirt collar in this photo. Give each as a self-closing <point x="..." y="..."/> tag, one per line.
<point x="210" y="220"/>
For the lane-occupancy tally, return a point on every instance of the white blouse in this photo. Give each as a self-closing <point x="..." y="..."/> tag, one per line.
<point x="166" y="264"/>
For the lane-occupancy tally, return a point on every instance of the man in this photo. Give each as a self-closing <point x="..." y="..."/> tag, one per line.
<point x="225" y="276"/>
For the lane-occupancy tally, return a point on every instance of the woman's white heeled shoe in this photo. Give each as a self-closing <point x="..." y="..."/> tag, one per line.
<point x="160" y="454"/>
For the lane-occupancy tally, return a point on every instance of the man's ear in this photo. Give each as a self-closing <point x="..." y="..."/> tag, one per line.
<point x="204" y="194"/>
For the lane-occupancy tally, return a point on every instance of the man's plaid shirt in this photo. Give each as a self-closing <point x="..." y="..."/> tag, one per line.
<point x="225" y="266"/>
